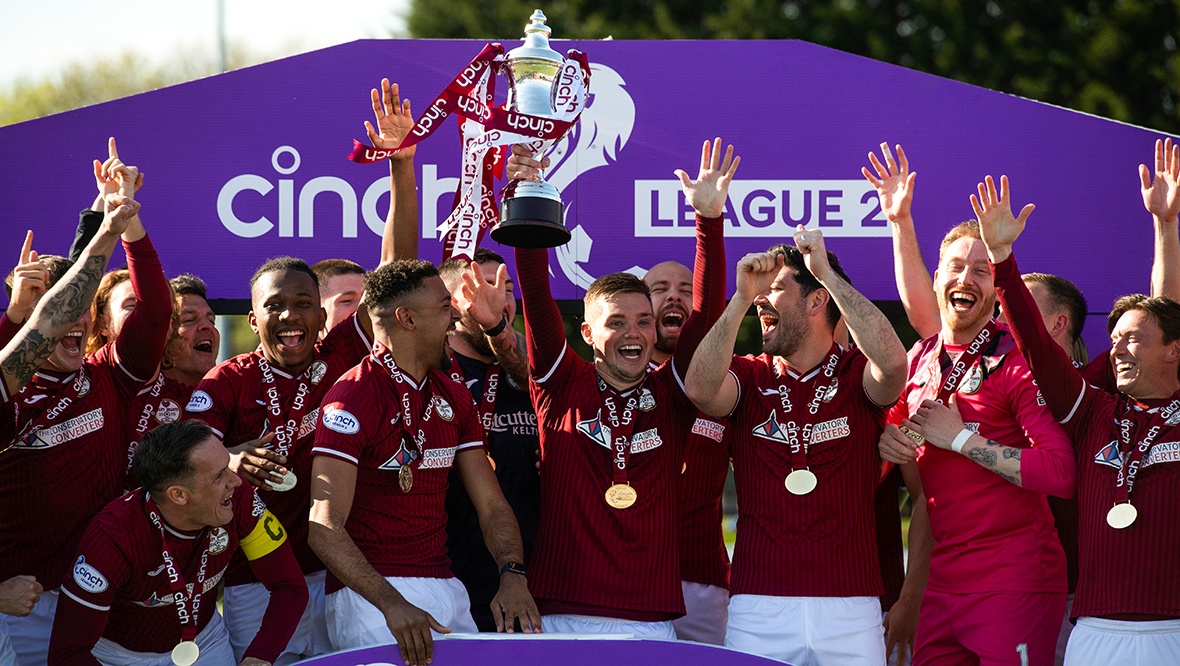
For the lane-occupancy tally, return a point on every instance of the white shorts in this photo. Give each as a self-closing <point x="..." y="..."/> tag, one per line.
<point x="353" y="622"/>
<point x="245" y="605"/>
<point x="7" y="654"/>
<point x="1106" y="642"/>
<point x="707" y="609"/>
<point x="593" y="624"/>
<point x="30" y="634"/>
<point x="806" y="631"/>
<point x="213" y="642"/>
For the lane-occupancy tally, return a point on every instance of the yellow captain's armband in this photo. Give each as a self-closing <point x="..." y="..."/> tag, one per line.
<point x="267" y="535"/>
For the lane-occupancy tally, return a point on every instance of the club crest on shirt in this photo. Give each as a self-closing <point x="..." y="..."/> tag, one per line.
<point x="1110" y="455"/>
<point x="168" y="412"/>
<point x="199" y="402"/>
<point x="596" y="430"/>
<point x="317" y="371"/>
<point x="87" y="577"/>
<point x="403" y="457"/>
<point x="830" y="393"/>
<point x="218" y="540"/>
<point x="82" y="385"/>
<point x="443" y="408"/>
<point x="770" y="429"/>
<point x="647" y="401"/>
<point x="971" y="382"/>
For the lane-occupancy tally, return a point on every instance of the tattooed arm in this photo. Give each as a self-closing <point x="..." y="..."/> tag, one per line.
<point x="59" y="310"/>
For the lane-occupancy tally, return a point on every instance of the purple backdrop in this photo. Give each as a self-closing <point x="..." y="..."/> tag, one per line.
<point x="250" y="164"/>
<point x="521" y="650"/>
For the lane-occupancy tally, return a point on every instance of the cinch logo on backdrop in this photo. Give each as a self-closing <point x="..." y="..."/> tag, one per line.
<point x="761" y="208"/>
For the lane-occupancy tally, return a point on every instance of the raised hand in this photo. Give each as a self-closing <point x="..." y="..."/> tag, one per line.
<point x="523" y="166"/>
<point x="755" y="274"/>
<point x="411" y="628"/>
<point x="484" y="302"/>
<point x="811" y="244"/>
<point x="119" y="211"/>
<point x="894" y="183"/>
<point x="107" y="174"/>
<point x="394" y="121"/>
<point x="1161" y="191"/>
<point x="707" y="194"/>
<point x="30" y="280"/>
<point x="997" y="226"/>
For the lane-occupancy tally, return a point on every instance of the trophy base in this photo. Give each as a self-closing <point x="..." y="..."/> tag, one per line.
<point x="530" y="222"/>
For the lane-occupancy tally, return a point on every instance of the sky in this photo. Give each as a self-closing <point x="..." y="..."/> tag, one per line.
<point x="39" y="38"/>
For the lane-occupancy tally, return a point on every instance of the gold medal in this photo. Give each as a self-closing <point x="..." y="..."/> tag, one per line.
<point x="918" y="438"/>
<point x="185" y="653"/>
<point x="801" y="482"/>
<point x="1122" y="515"/>
<point x="620" y="496"/>
<point x="288" y="482"/>
<point x="405" y="478"/>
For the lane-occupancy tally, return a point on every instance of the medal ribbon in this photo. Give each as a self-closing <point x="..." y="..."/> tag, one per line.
<point x="485" y="131"/>
<point x="959" y="368"/>
<point x="621" y="426"/>
<point x="146" y="414"/>
<point x="1147" y="432"/>
<point x="799" y="432"/>
<point x="288" y="424"/>
<point x="188" y="615"/>
<point x="490" y="386"/>
<point x="67" y="396"/>
<point x="382" y="356"/>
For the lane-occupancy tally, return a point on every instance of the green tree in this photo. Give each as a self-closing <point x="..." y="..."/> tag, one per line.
<point x="1113" y="59"/>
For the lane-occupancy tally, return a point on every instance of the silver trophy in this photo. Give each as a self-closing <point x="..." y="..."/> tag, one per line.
<point x="531" y="211"/>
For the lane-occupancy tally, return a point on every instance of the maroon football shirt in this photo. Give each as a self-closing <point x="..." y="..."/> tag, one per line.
<point x="233" y="401"/>
<point x="399" y="533"/>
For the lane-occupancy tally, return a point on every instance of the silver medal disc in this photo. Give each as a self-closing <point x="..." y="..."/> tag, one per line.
<point x="288" y="482"/>
<point x="185" y="653"/>
<point x="1122" y="515"/>
<point x="801" y="482"/>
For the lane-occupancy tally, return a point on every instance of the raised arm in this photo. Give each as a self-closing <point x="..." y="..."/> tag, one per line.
<point x="333" y="488"/>
<point x="90" y="219"/>
<point x="491" y="306"/>
<point x="1161" y="198"/>
<point x="59" y="309"/>
<point x="394" y="122"/>
<point x="707" y="195"/>
<point x="502" y="535"/>
<point x="894" y="183"/>
<point x="708" y="382"/>
<point x="1060" y="383"/>
<point x="871" y="330"/>
<point x="30" y="279"/>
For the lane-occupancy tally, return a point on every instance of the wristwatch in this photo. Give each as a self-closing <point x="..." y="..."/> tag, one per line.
<point x="513" y="567"/>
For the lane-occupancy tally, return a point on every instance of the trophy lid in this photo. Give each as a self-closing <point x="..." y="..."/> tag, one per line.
<point x="536" y="41"/>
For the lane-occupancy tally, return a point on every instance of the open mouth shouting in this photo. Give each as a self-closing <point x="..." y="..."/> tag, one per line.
<point x="204" y="346"/>
<point x="72" y="343"/>
<point x="672" y="320"/>
<point x="291" y="340"/>
<point x="631" y="352"/>
<point x="768" y="318"/>
<point x="962" y="301"/>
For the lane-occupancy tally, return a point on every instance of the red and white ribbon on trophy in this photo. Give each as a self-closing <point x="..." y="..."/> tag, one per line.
<point x="485" y="131"/>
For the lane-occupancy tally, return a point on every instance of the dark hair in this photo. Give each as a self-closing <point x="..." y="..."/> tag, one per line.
<point x="794" y="260"/>
<point x="1164" y="312"/>
<point x="164" y="457"/>
<point x="450" y="269"/>
<point x="187" y="284"/>
<point x="55" y="264"/>
<point x="967" y="229"/>
<point x="1065" y="297"/>
<point x="283" y="264"/>
<point x="330" y="268"/>
<point x="1121" y="305"/>
<point x="387" y="285"/>
<point x="616" y="283"/>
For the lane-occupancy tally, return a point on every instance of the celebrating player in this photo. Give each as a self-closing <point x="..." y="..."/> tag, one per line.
<point x="809" y="419"/>
<point x="143" y="589"/>
<point x="612" y="432"/>
<point x="67" y="456"/>
<point x="391" y="430"/>
<point x="1126" y="603"/>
